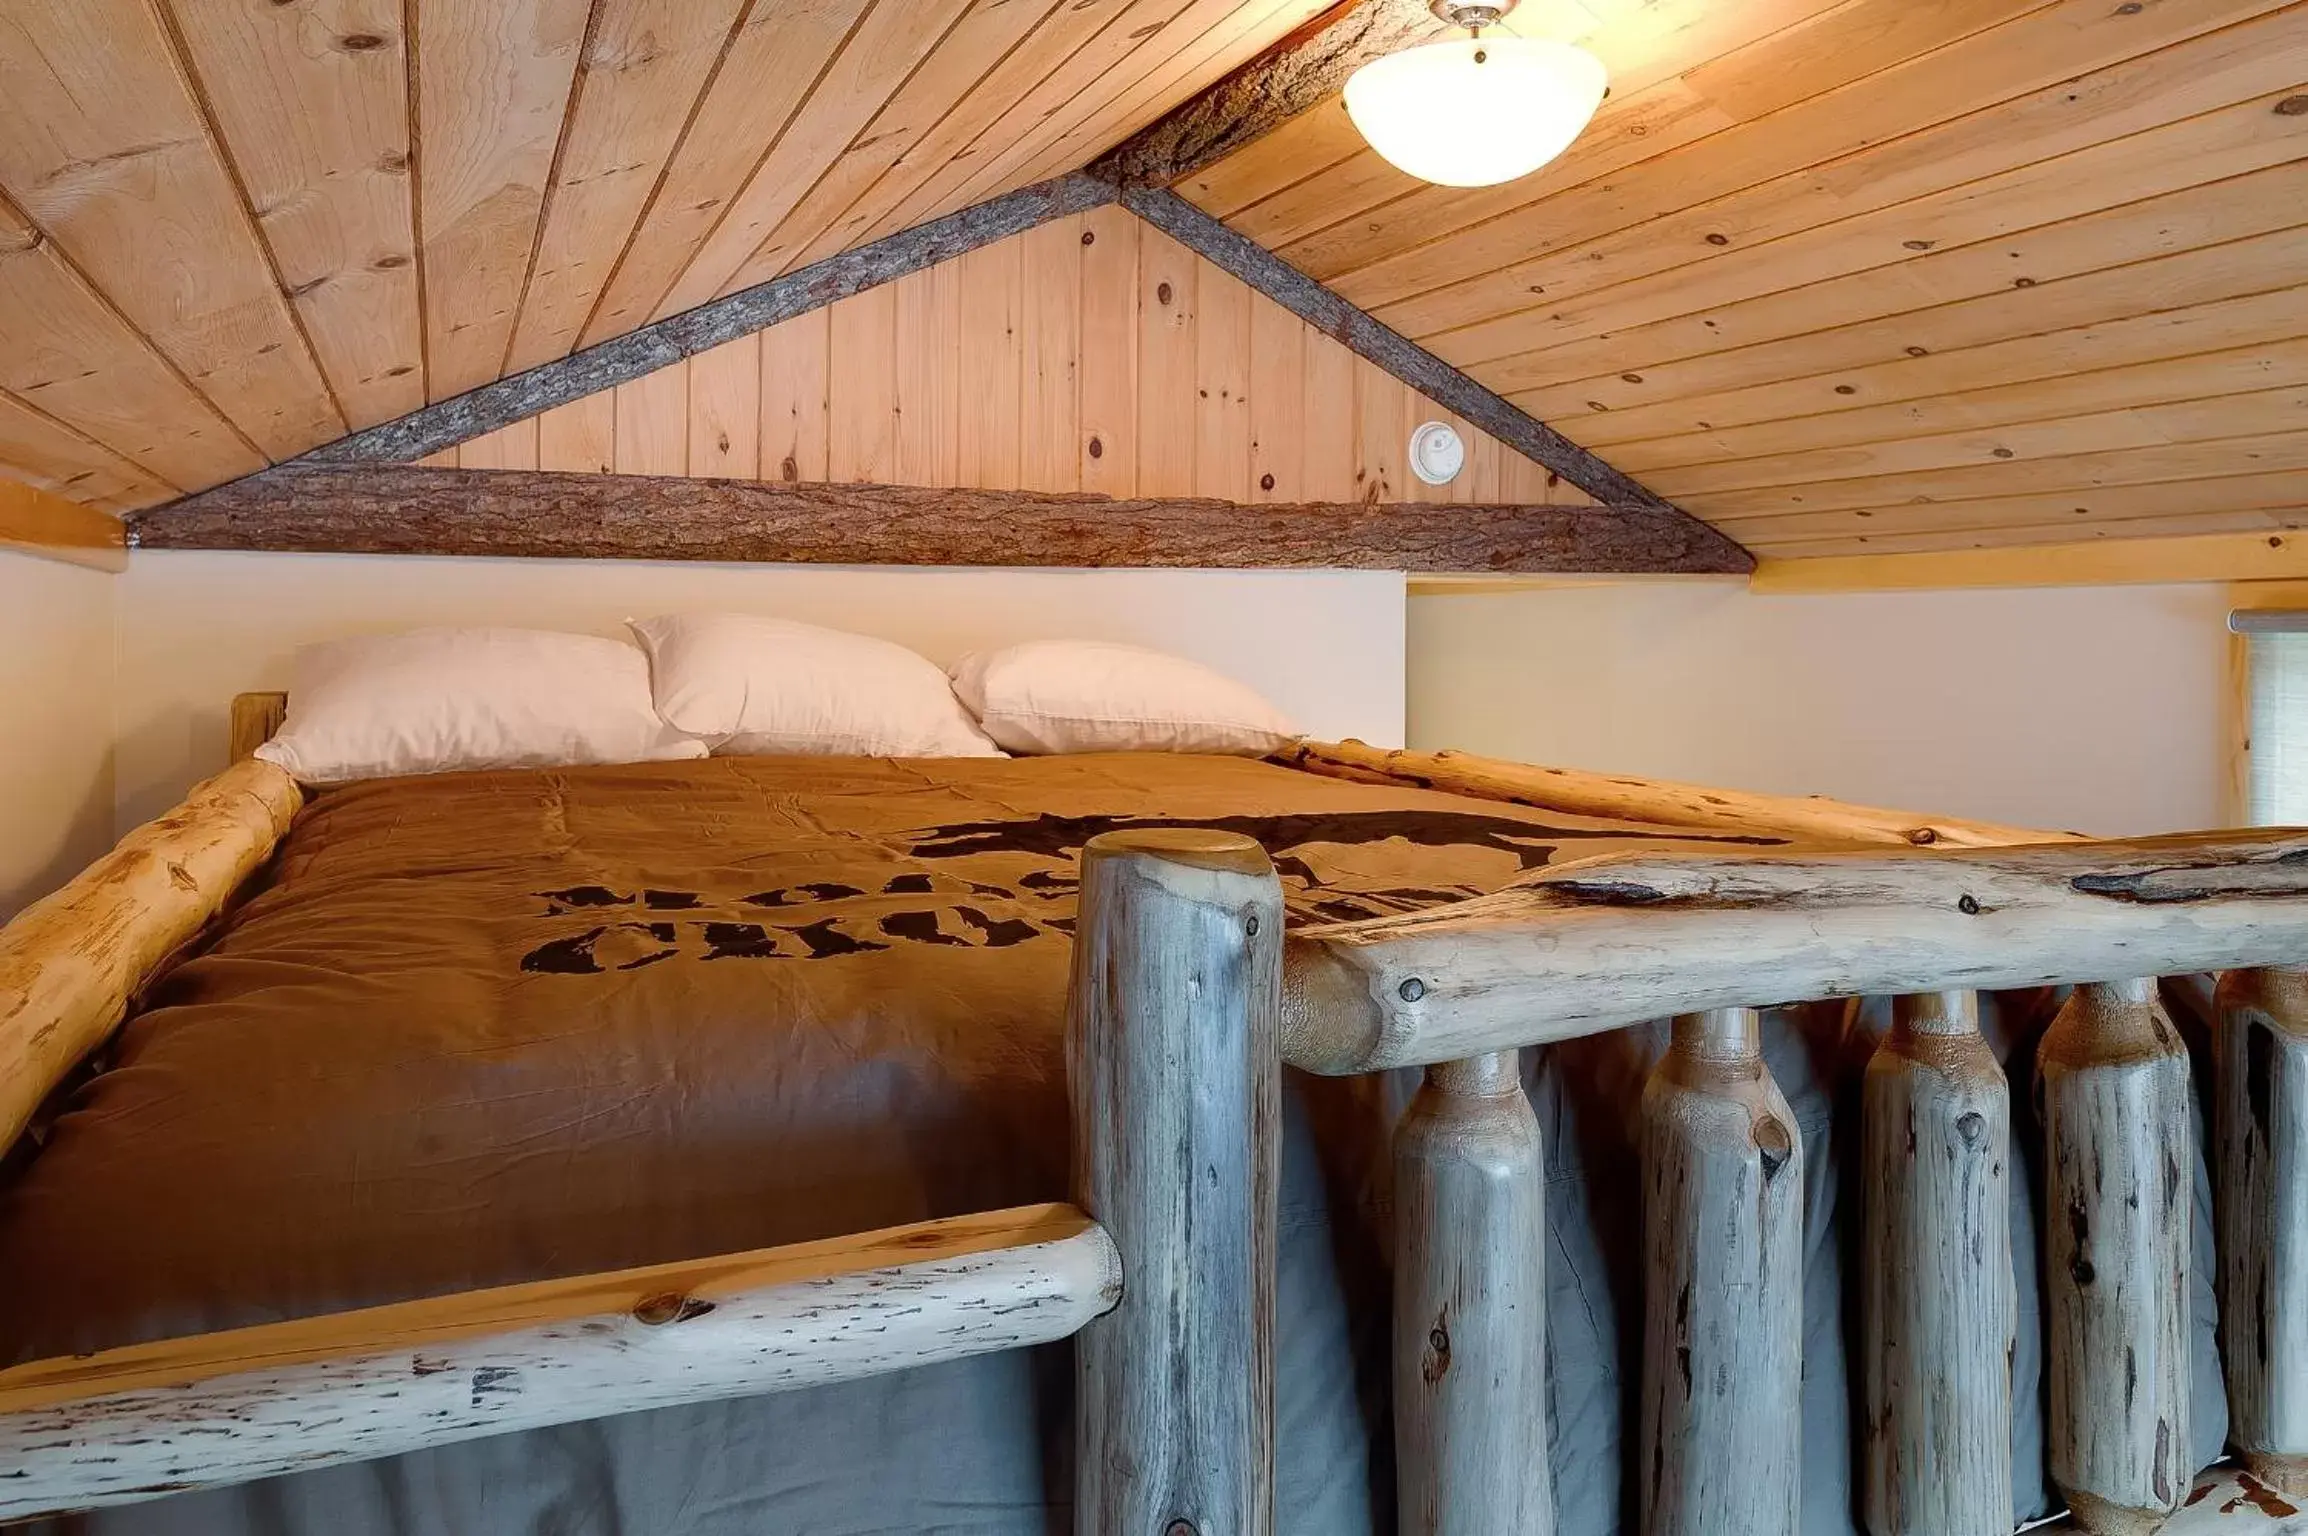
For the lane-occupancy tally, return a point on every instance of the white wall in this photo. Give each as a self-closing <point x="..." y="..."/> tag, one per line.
<point x="56" y="677"/>
<point x="195" y="628"/>
<point x="2094" y="708"/>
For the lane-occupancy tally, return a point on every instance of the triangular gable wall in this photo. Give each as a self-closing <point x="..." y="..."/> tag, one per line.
<point x="1092" y="353"/>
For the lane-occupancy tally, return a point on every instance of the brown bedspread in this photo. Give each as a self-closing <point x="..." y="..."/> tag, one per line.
<point x="483" y="1028"/>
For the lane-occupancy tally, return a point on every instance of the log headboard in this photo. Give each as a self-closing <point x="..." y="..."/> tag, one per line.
<point x="255" y="716"/>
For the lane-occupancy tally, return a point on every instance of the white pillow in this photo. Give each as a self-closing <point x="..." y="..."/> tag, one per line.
<point x="1096" y="696"/>
<point x="770" y="687"/>
<point x="438" y="700"/>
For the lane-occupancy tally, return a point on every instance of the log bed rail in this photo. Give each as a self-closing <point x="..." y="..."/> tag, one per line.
<point x="1186" y="999"/>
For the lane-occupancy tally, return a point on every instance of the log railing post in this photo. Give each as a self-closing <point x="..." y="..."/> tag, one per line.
<point x="2118" y="1203"/>
<point x="1723" y="1287"/>
<point x="1470" y="1321"/>
<point x="1938" y="1304"/>
<point x="1171" y="1042"/>
<point x="2262" y="1173"/>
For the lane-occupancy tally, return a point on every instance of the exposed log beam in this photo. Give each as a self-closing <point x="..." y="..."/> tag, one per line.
<point x="1404" y="358"/>
<point x="1603" y="943"/>
<point x="1296" y="75"/>
<point x="697" y="330"/>
<point x="38" y="522"/>
<point x="400" y="509"/>
<point x="212" y="1409"/>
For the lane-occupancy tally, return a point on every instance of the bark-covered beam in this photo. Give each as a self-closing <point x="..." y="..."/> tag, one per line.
<point x="652" y="347"/>
<point x="1296" y="75"/>
<point x="411" y="510"/>
<point x="1319" y="307"/>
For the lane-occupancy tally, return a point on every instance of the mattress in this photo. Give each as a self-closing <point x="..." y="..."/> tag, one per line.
<point x="483" y="1028"/>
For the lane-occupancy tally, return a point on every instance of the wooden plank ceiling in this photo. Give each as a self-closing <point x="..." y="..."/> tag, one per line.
<point x="1836" y="275"/>
<point x="1874" y="275"/>
<point x="231" y="231"/>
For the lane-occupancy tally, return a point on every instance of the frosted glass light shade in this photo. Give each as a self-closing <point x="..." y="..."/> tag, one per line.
<point x="1475" y="111"/>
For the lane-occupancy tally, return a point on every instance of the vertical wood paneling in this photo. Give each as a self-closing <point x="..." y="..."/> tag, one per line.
<point x="1109" y="362"/>
<point x="929" y="375"/>
<point x="493" y="83"/>
<point x="1050" y="408"/>
<point x="513" y="447"/>
<point x="320" y="133"/>
<point x="1092" y="353"/>
<point x="794" y="394"/>
<point x="1328" y="458"/>
<point x="1221" y="385"/>
<point x="1379" y="437"/>
<point x="992" y="366"/>
<point x="861" y="387"/>
<point x="653" y="423"/>
<point x="725" y="410"/>
<point x="581" y="435"/>
<point x="1166" y="414"/>
<point x="1277" y="404"/>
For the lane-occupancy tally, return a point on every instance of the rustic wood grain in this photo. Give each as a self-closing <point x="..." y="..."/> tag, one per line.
<point x="2114" y="1083"/>
<point x="1176" y="1087"/>
<point x="412" y="510"/>
<point x="1723" y="1287"/>
<point x="153" y="1419"/>
<point x="1470" y="1307"/>
<point x="253" y="720"/>
<point x="1595" y="945"/>
<point x="1938" y="1314"/>
<point x="1400" y="356"/>
<point x="651" y="347"/>
<point x="71" y="963"/>
<point x="2262" y="1169"/>
<point x="1296" y="75"/>
<point x="1624" y="797"/>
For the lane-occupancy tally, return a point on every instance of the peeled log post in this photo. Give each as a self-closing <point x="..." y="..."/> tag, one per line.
<point x="2263" y="1185"/>
<point x="1938" y="1304"/>
<point x="1723" y="1287"/>
<point x="2114" y="1080"/>
<point x="1176" y="1079"/>
<point x="1470" y="1318"/>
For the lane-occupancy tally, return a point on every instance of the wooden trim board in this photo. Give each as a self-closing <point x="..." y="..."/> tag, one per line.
<point x="2106" y="562"/>
<point x="38" y="522"/>
<point x="379" y="509"/>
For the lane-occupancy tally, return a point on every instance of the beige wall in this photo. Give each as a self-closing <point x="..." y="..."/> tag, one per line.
<point x="56" y="681"/>
<point x="196" y="628"/>
<point x="2096" y="708"/>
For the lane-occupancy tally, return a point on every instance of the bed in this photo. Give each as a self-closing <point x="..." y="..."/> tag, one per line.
<point x="452" y="1037"/>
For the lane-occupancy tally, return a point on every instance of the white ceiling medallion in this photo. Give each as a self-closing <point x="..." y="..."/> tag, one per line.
<point x="1437" y="453"/>
<point x="1475" y="111"/>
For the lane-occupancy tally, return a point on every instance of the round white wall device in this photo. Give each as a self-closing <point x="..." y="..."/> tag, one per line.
<point x="1437" y="453"/>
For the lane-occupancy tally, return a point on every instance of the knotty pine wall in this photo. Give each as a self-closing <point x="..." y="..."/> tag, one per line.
<point x="1091" y="354"/>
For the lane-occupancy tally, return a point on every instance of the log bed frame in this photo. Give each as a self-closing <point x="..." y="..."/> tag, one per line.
<point x="1186" y="998"/>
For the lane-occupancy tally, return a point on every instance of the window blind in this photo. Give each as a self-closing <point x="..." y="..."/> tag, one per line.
<point x="2276" y="786"/>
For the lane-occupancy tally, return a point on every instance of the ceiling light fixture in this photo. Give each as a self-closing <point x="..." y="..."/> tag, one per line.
<point x="1477" y="111"/>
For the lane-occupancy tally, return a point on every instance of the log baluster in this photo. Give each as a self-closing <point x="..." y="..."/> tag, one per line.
<point x="1171" y="1042"/>
<point x="1723" y="1287"/>
<point x="1938" y="1305"/>
<point x="2118" y="1206"/>
<point x="2262" y="1170"/>
<point x="1470" y="1352"/>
